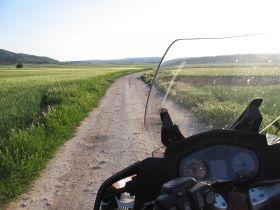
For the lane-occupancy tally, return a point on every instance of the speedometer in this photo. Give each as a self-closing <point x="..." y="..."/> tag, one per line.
<point x="193" y="167"/>
<point x="244" y="161"/>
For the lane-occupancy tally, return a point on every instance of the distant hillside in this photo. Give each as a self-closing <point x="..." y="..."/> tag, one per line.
<point x="7" y="57"/>
<point x="229" y="59"/>
<point x="222" y="59"/>
<point x="145" y="60"/>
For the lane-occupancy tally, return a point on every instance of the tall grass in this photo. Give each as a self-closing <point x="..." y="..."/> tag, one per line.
<point x="40" y="107"/>
<point x="219" y="105"/>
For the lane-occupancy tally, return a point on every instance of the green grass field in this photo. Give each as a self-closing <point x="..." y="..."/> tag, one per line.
<point x="217" y="96"/>
<point x="40" y="107"/>
<point x="223" y="70"/>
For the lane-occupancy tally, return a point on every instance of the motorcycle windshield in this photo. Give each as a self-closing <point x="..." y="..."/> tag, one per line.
<point x="207" y="83"/>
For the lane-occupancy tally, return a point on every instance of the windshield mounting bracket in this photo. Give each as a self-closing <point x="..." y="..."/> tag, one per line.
<point x="170" y="132"/>
<point x="251" y="118"/>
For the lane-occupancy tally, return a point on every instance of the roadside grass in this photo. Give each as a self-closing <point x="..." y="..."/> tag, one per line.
<point x="219" y="105"/>
<point x="148" y="77"/>
<point x="248" y="70"/>
<point x="40" y="107"/>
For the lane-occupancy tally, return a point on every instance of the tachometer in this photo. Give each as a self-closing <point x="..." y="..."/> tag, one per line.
<point x="244" y="161"/>
<point x="193" y="167"/>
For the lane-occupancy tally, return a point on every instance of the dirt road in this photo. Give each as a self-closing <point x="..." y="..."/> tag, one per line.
<point x="111" y="138"/>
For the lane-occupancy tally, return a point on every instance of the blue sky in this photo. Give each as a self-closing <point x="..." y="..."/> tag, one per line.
<point x="106" y="29"/>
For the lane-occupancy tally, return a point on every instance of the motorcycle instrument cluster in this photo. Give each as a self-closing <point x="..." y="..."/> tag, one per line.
<point x="243" y="161"/>
<point x="194" y="167"/>
<point x="219" y="163"/>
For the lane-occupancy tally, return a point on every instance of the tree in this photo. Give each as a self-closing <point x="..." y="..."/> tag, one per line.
<point x="19" y="65"/>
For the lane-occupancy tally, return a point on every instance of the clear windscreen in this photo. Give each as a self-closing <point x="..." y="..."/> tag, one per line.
<point x="207" y="83"/>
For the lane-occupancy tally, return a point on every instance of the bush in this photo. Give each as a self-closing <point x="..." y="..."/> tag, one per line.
<point x="147" y="78"/>
<point x="19" y="65"/>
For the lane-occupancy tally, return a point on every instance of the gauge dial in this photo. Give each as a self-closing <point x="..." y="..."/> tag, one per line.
<point x="194" y="168"/>
<point x="244" y="161"/>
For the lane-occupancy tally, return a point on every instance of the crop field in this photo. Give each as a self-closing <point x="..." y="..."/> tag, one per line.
<point x="224" y="70"/>
<point x="40" y="107"/>
<point x="217" y="96"/>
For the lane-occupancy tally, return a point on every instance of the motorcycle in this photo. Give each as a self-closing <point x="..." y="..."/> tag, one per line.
<point x="209" y="159"/>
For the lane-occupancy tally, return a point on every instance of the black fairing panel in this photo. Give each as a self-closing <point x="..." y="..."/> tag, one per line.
<point x="273" y="163"/>
<point x="152" y="174"/>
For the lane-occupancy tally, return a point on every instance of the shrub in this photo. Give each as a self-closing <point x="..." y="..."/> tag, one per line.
<point x="19" y="65"/>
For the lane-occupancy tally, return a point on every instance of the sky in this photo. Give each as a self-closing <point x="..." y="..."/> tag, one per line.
<point x="111" y="29"/>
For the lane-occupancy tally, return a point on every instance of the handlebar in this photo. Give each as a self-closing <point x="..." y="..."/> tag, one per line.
<point x="186" y="193"/>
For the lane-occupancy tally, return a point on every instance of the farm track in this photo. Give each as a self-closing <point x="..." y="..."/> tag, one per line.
<point x="109" y="139"/>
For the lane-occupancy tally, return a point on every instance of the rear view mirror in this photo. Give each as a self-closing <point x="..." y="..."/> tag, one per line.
<point x="120" y="195"/>
<point x="118" y="192"/>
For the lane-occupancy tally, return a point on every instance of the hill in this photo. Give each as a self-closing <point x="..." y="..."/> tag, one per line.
<point x="218" y="60"/>
<point x="7" y="57"/>
<point x="144" y="60"/>
<point x="229" y="59"/>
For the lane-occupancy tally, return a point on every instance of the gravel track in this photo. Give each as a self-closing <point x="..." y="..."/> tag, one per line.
<point x="109" y="139"/>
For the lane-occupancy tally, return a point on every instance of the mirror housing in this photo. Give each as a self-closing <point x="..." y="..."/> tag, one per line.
<point x="122" y="182"/>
